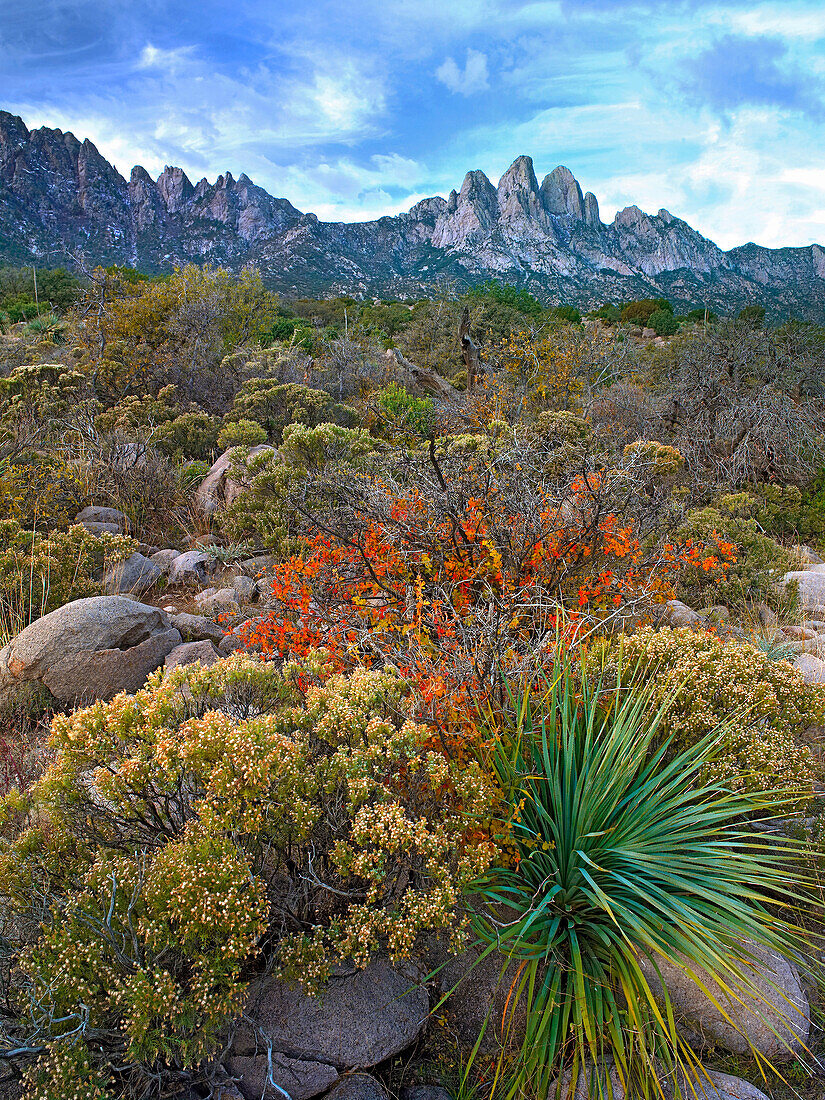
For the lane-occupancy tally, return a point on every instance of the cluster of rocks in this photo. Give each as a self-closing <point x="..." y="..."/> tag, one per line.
<point x="305" y="1045"/>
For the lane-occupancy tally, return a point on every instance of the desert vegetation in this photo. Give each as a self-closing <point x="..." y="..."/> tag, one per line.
<point x="464" y="655"/>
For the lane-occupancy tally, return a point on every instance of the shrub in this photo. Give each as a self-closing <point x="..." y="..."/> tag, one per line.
<point x="39" y="573"/>
<point x="760" y="561"/>
<point x="190" y="435"/>
<point x="760" y="707"/>
<point x="241" y="433"/>
<point x="217" y="816"/>
<point x="620" y="858"/>
<point x="274" y="405"/>
<point x="663" y="322"/>
<point x="639" y="313"/>
<point x="413" y="414"/>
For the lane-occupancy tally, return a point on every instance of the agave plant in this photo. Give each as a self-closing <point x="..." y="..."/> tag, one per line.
<point x="624" y="855"/>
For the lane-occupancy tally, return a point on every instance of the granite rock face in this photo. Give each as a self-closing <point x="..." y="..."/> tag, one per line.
<point x="58" y="193"/>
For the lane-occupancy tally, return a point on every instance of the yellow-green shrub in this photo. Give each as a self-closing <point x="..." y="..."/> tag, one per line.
<point x="761" y="706"/>
<point x="39" y="573"/>
<point x="217" y="814"/>
<point x="760" y="561"/>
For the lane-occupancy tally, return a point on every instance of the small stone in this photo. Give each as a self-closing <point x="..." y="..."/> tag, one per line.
<point x="190" y="652"/>
<point x="245" y="589"/>
<point x="191" y="569"/>
<point x="812" y="669"/>
<point x="102" y="528"/>
<point x="163" y="559"/>
<point x="94" y="514"/>
<point x="135" y="576"/>
<point x="676" y="613"/>
<point x="358" y="1086"/>
<point x="217" y="600"/>
<point x="196" y="628"/>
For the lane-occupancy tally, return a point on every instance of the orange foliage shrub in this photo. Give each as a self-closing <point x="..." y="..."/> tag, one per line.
<point x="466" y="575"/>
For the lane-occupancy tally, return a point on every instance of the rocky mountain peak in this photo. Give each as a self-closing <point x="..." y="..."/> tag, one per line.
<point x="518" y="192"/>
<point x="175" y="187"/>
<point x="561" y="194"/>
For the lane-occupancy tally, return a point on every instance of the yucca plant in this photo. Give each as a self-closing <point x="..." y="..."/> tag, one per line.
<point x="623" y="854"/>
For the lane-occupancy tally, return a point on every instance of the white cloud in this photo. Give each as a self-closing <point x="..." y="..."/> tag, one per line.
<point x="469" y="80"/>
<point x="165" y="60"/>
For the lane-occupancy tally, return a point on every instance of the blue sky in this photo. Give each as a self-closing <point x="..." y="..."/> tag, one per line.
<point x="715" y="110"/>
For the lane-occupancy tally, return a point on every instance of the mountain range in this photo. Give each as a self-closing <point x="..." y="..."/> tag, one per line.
<point x="61" y="199"/>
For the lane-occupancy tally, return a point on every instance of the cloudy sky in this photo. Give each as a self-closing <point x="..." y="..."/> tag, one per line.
<point x="356" y="108"/>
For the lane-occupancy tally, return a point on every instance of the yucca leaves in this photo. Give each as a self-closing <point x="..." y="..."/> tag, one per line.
<point x="626" y="854"/>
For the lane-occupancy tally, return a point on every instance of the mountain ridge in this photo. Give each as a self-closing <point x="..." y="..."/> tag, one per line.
<point x="59" y="195"/>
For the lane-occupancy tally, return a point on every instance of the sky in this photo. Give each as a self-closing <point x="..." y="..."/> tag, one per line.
<point x="357" y="108"/>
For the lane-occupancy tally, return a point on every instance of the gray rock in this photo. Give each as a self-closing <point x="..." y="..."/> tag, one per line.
<point x="220" y="488"/>
<point x="811" y="588"/>
<point x="94" y="514"/>
<point x="190" y="652"/>
<point x="425" y="1092"/>
<point x="300" y="1079"/>
<point x="357" y="1020"/>
<point x="163" y="559"/>
<point x="191" y="569"/>
<point x="776" y="1027"/>
<point x="217" y="600"/>
<point x="707" y="1085"/>
<point x="256" y="565"/>
<point x="246" y="589"/>
<point x="196" y="628"/>
<point x="724" y="1087"/>
<point x="806" y="555"/>
<point x="102" y="528"/>
<point x="90" y="649"/>
<point x="676" y="613"/>
<point x="358" y="1086"/>
<point x="812" y="669"/>
<point x="136" y="575"/>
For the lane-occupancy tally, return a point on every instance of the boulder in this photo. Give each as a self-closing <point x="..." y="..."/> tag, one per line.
<point x="358" y="1086"/>
<point x="806" y="555"/>
<point x="299" y="1079"/>
<point x="191" y="569"/>
<point x="811" y="587"/>
<point x="196" y="628"/>
<point x="102" y="528"/>
<point x="93" y="514"/>
<point x="812" y="669"/>
<point x="89" y="649"/>
<point x="357" y="1020"/>
<point x="136" y="574"/>
<point x="709" y="1085"/>
<point x="724" y="1087"/>
<point x="220" y="489"/>
<point x="190" y="652"/>
<point x="776" y="1023"/>
<point x="214" y="601"/>
<point x="163" y="559"/>
<point x="246" y="589"/>
<point x="425" y="1092"/>
<point x="676" y="613"/>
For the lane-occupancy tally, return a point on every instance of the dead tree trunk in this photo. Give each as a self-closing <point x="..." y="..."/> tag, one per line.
<point x="469" y="351"/>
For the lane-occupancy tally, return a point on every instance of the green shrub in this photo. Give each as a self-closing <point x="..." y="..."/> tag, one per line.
<point x="760" y="707"/>
<point x="640" y="312"/>
<point x="274" y="405"/>
<point x="663" y="322"/>
<point x="190" y="435"/>
<point x="241" y="433"/>
<point x="760" y="561"/>
<point x="407" y="413"/>
<point x="621" y="857"/>
<point x="237" y="818"/>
